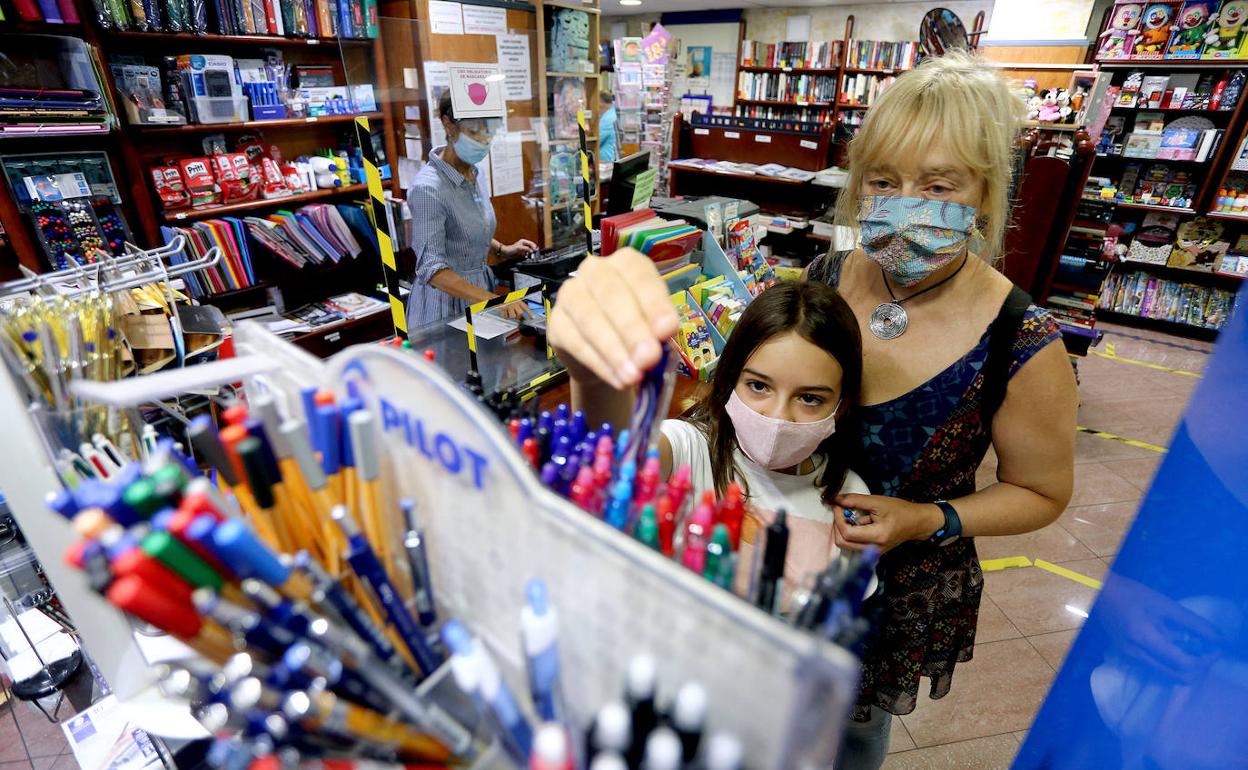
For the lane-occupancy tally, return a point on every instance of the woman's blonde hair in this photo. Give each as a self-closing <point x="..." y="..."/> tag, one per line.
<point x="960" y="103"/>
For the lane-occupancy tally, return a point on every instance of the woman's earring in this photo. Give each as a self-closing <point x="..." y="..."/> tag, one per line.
<point x="978" y="241"/>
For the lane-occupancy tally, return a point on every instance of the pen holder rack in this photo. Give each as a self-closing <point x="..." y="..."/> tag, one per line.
<point x="491" y="526"/>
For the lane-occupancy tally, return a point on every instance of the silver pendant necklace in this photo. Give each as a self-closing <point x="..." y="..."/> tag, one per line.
<point x="889" y="319"/>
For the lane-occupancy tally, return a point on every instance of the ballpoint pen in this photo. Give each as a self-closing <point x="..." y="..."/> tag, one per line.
<point x="689" y="719"/>
<point x="418" y="563"/>
<point x="640" y="685"/>
<point x="771" y="578"/>
<point x="367" y="461"/>
<point x="539" y="628"/>
<point x="475" y="668"/>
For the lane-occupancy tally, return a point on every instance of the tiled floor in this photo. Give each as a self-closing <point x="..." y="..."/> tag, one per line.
<point x="28" y="741"/>
<point x="1030" y="616"/>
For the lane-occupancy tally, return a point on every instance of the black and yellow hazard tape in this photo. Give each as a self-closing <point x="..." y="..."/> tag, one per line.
<point x="1112" y="355"/>
<point x="486" y="304"/>
<point x="381" y="225"/>
<point x="1121" y="439"/>
<point x="589" y="218"/>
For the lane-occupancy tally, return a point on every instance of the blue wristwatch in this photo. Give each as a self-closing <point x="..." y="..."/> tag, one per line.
<point x="951" y="530"/>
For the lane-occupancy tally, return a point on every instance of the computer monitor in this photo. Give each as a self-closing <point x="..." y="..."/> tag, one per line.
<point x="623" y="181"/>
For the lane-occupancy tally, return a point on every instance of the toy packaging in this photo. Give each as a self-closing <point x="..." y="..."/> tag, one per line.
<point x="1199" y="245"/>
<point x="1188" y="37"/>
<point x="1129" y="95"/>
<point x="1154" y="30"/>
<point x="1224" y="38"/>
<point x="1118" y="39"/>
<point x="693" y="340"/>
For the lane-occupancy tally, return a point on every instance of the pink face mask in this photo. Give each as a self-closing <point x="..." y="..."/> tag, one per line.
<point x="776" y="444"/>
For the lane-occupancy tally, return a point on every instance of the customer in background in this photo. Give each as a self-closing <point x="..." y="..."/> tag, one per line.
<point x="453" y="225"/>
<point x="608" y="150"/>
<point x="955" y="359"/>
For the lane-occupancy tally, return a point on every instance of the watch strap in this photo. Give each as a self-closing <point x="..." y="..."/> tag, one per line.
<point x="951" y="529"/>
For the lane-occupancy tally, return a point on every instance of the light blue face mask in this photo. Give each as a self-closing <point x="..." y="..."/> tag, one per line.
<point x="911" y="238"/>
<point x="470" y="150"/>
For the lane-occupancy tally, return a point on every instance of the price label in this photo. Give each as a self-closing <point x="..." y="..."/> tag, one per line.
<point x="809" y="145"/>
<point x="764" y="138"/>
<point x="731" y="135"/>
<point x="701" y="132"/>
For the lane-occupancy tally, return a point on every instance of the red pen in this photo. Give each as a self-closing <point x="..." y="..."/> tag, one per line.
<point x="513" y="427"/>
<point x="732" y="513"/>
<point x="678" y="486"/>
<point x="429" y="355"/>
<point x="583" y="490"/>
<point x="647" y="481"/>
<point x="694" y="556"/>
<point x="531" y="451"/>
<point x="235" y="414"/>
<point x="665" y="512"/>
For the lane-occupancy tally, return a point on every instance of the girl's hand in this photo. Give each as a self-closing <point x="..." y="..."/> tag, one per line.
<point x="611" y="319"/>
<point x="891" y="521"/>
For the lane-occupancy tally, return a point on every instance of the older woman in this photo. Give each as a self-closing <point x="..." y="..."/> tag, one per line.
<point x="955" y="359"/>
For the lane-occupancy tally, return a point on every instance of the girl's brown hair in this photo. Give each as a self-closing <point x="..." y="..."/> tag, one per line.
<point x="818" y="314"/>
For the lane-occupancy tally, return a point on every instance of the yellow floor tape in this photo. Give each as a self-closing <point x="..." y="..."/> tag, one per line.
<point x="995" y="565"/>
<point x="1069" y="574"/>
<point x="1121" y="439"/>
<point x="1112" y="356"/>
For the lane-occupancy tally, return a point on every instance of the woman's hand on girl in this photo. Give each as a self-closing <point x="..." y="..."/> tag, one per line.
<point x="612" y="318"/>
<point x="889" y="522"/>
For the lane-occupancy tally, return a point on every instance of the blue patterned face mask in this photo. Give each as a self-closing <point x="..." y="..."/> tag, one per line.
<point x="911" y="238"/>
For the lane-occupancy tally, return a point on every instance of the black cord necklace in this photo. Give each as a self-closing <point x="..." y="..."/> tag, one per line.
<point x="889" y="319"/>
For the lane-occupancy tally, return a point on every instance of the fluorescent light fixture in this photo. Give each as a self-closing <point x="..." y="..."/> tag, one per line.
<point x="630" y="2"/>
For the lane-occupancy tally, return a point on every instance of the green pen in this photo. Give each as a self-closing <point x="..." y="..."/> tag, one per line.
<point x="169" y="481"/>
<point x="647" y="530"/>
<point x="719" y="557"/>
<point x="141" y="497"/>
<point x="182" y="560"/>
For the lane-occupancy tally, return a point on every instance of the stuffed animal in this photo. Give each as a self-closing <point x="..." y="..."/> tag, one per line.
<point x="1063" y="106"/>
<point x="1120" y="34"/>
<point x="1033" y="107"/>
<point x="1223" y="39"/>
<point x="1154" y="31"/>
<point x="1050" y="110"/>
<point x="1190" y="29"/>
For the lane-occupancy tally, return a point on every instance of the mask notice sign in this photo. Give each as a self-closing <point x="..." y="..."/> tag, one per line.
<point x="477" y="90"/>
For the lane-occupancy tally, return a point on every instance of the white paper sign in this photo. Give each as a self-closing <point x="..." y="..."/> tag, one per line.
<point x="484" y="20"/>
<point x="412" y="112"/>
<point x="701" y="132"/>
<point x="507" y="163"/>
<point x="731" y="135"/>
<point x="764" y="138"/>
<point x="513" y="57"/>
<point x="437" y="80"/>
<point x="445" y="18"/>
<point x="411" y="78"/>
<point x="477" y="90"/>
<point x="809" y="144"/>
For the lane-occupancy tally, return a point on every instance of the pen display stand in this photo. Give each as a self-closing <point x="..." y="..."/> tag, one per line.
<point x="491" y="527"/>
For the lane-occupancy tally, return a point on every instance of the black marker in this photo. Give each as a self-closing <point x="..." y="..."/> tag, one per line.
<point x="771" y="584"/>
<point x="639" y="690"/>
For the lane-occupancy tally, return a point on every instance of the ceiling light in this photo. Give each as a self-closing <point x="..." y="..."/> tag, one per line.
<point x="630" y="2"/>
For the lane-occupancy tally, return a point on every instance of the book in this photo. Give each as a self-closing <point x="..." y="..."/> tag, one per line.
<point x="1152" y="89"/>
<point x="1179" y="144"/>
<point x="1141" y="145"/>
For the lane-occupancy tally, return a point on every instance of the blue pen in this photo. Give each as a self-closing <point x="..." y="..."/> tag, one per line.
<point x="369" y="569"/>
<point x="577" y="427"/>
<point x="418" y="560"/>
<point x="539" y="627"/>
<point x="621" y="445"/>
<point x="472" y="665"/>
<point x="851" y="516"/>
<point x="563" y="412"/>
<point x="616" y="513"/>
<point x="326" y="439"/>
<point x="525" y="431"/>
<point x="352" y="613"/>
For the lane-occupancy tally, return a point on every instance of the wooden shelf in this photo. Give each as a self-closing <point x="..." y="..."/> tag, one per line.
<point x="793" y="70"/>
<point x="1201" y="332"/>
<point x="1177" y="109"/>
<point x="573" y="6"/>
<point x="1145" y="206"/>
<point x="733" y="175"/>
<point x="551" y="74"/>
<point x="874" y="71"/>
<point x="1173" y="63"/>
<point x="1131" y="264"/>
<point x="840" y="106"/>
<point x="1119" y="156"/>
<point x="208" y="213"/>
<point x="211" y="128"/>
<point x="771" y="103"/>
<point x="1228" y="215"/>
<point x="187" y="37"/>
<point x="1051" y="126"/>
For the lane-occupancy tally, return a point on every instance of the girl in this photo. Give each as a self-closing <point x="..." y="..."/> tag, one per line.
<point x="789" y="372"/>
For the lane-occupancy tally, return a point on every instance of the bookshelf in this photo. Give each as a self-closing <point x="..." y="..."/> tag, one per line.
<point x="133" y="149"/>
<point x="830" y="81"/>
<point x="561" y="91"/>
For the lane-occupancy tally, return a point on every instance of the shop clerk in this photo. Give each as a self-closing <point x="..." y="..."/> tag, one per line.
<point x="453" y="225"/>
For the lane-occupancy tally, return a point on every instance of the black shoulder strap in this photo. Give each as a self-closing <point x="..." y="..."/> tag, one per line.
<point x="827" y="268"/>
<point x="1001" y="339"/>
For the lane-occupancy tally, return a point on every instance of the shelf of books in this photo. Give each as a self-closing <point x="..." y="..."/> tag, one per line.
<point x="822" y="82"/>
